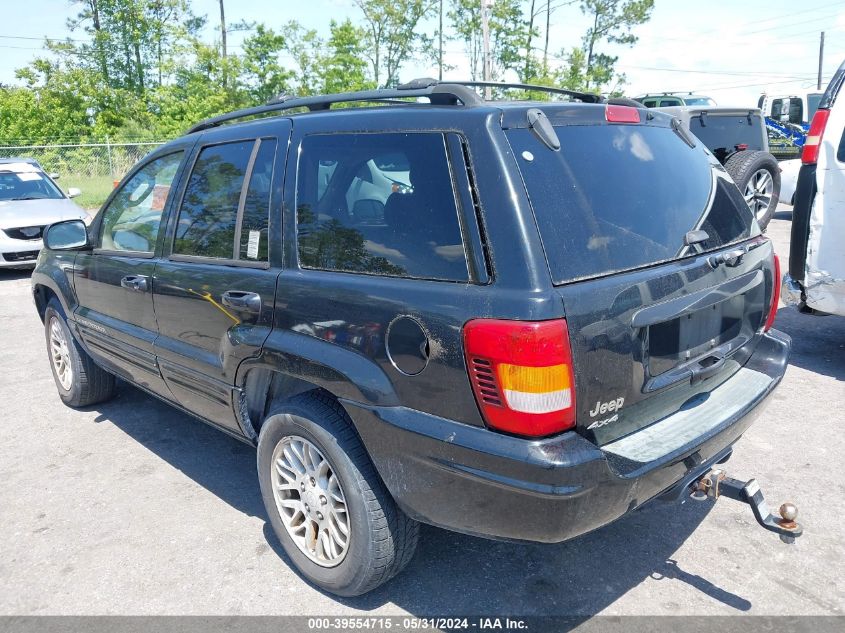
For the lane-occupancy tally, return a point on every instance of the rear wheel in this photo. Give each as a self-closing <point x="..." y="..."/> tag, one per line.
<point x="79" y="380"/>
<point x="330" y="510"/>
<point x="757" y="176"/>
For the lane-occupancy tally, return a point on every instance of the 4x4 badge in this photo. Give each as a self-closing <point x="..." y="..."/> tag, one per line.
<point x="600" y="423"/>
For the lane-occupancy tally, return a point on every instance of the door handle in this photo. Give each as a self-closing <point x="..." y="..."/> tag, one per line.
<point x="240" y="300"/>
<point x="137" y="283"/>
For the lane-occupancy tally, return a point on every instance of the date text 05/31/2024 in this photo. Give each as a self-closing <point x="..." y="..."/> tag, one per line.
<point x="414" y="623"/>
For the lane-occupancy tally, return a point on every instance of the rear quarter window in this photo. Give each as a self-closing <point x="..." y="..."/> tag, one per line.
<point x="379" y="204"/>
<point x="619" y="197"/>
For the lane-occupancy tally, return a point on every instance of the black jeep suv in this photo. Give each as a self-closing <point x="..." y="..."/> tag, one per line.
<point x="510" y="319"/>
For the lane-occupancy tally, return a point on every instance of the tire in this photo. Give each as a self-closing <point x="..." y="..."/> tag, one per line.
<point x="381" y="538"/>
<point x="79" y="380"/>
<point x="757" y="176"/>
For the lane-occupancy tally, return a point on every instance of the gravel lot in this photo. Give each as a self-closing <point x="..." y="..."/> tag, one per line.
<point x="132" y="508"/>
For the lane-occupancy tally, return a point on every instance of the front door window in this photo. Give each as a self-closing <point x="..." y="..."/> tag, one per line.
<point x="132" y="220"/>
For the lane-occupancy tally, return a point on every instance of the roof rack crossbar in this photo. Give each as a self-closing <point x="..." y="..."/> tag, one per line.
<point x="440" y="94"/>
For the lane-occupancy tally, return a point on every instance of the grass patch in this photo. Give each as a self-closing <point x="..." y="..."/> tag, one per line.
<point x="95" y="189"/>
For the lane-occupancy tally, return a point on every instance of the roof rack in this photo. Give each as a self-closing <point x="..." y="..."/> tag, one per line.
<point x="586" y="97"/>
<point x="438" y="93"/>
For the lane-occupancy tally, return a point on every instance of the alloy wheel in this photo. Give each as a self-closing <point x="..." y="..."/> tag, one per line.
<point x="310" y="501"/>
<point x="758" y="192"/>
<point x="60" y="354"/>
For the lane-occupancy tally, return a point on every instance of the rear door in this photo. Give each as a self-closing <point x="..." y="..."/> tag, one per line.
<point x="724" y="132"/>
<point x="214" y="288"/>
<point x="654" y="321"/>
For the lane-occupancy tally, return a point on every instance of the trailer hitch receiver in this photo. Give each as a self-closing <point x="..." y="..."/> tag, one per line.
<point x="716" y="483"/>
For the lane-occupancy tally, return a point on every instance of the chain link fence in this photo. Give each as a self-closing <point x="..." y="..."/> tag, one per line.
<point x="91" y="167"/>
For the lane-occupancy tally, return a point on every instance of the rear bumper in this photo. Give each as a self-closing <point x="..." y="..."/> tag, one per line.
<point x="475" y="481"/>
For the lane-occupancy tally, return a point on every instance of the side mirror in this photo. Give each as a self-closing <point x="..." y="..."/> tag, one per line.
<point x="54" y="176"/>
<point x="72" y="192"/>
<point x="66" y="236"/>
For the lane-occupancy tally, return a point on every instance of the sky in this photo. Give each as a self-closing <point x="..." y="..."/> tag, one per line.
<point x="731" y="50"/>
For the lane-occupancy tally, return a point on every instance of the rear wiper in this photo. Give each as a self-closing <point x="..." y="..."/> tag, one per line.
<point x="679" y="129"/>
<point x="696" y="237"/>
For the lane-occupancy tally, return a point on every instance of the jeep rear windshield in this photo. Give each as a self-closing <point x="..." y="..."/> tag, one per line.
<point x="619" y="197"/>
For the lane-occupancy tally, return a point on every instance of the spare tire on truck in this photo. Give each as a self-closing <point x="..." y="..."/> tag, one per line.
<point x="757" y="176"/>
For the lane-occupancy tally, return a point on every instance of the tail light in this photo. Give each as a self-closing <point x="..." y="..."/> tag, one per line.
<point x="773" y="308"/>
<point x="810" y="153"/>
<point x="521" y="374"/>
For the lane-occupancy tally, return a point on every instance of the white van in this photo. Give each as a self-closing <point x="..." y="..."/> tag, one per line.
<point x="816" y="278"/>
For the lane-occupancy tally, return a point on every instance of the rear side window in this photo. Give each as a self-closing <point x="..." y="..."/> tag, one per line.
<point x="379" y="204"/>
<point x="225" y="208"/>
<point x="208" y="215"/>
<point x="618" y="197"/>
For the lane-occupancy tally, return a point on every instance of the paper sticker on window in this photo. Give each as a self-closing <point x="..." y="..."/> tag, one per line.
<point x="29" y="175"/>
<point x="252" y="245"/>
<point x="159" y="197"/>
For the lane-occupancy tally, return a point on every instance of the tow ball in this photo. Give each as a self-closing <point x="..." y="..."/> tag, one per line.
<point x="716" y="484"/>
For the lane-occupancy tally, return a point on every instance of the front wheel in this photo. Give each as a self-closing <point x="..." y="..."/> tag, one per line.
<point x="330" y="510"/>
<point x="79" y="380"/>
<point x="757" y="176"/>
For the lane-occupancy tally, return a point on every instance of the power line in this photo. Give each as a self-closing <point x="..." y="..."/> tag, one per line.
<point x="738" y="86"/>
<point x="23" y="48"/>
<point x="53" y="39"/>
<point x="804" y="11"/>
<point x="719" y="72"/>
<point x="790" y="25"/>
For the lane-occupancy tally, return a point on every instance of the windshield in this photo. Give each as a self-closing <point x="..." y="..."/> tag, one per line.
<point x="25" y="182"/>
<point x="619" y="197"/>
<point x="699" y="101"/>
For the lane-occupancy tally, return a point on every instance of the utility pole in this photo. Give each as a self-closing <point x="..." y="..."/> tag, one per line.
<point x="223" y="37"/>
<point x="821" y="57"/>
<point x="546" y="45"/>
<point x="440" y="54"/>
<point x="486" y="5"/>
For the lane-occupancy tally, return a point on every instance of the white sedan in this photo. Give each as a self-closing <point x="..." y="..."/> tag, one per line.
<point x="29" y="201"/>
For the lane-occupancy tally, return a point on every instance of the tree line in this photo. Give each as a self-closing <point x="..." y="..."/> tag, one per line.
<point x="142" y="69"/>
